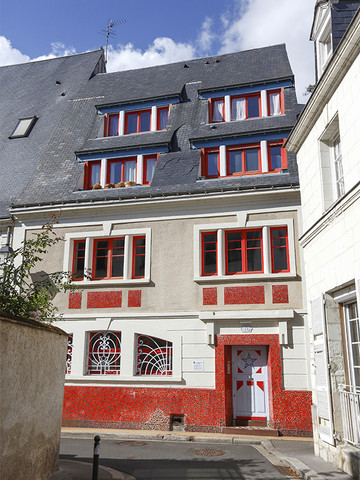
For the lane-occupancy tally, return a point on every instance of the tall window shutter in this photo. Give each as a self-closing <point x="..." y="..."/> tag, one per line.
<point x="324" y="407"/>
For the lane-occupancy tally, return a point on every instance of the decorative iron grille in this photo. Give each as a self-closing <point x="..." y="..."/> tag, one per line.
<point x="104" y="353"/>
<point x="69" y="354"/>
<point x="154" y="356"/>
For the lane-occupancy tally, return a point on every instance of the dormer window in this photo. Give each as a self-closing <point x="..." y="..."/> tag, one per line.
<point x="136" y="121"/>
<point x="24" y="127"/>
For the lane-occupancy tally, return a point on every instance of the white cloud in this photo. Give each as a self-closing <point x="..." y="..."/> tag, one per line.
<point x="206" y="36"/>
<point x="267" y="22"/>
<point x="162" y="50"/>
<point x="10" y="55"/>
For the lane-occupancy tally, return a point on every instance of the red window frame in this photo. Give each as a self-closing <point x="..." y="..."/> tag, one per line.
<point x="107" y="124"/>
<point x="109" y="257"/>
<point x="243" y="149"/>
<point x="246" y="97"/>
<point x="211" y="109"/>
<point x="273" y="247"/>
<point x="75" y="257"/>
<point x="146" y="158"/>
<point x="137" y="254"/>
<point x="138" y="113"/>
<point x="88" y="168"/>
<point x="115" y="353"/>
<point x="203" y="253"/>
<point x="283" y="155"/>
<point x="161" y="109"/>
<point x="204" y="160"/>
<point x="281" y="92"/>
<point x="122" y="161"/>
<point x="244" y="250"/>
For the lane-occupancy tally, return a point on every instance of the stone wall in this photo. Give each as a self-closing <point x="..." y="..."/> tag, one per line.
<point x="32" y="359"/>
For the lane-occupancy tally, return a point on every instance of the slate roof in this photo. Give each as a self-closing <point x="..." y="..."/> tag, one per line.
<point x="43" y="168"/>
<point x="341" y="15"/>
<point x="30" y="89"/>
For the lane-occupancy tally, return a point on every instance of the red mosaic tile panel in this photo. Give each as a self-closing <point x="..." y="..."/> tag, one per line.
<point x="244" y="295"/>
<point x="134" y="298"/>
<point x="204" y="409"/>
<point x="210" y="296"/>
<point x="75" y="300"/>
<point x="280" y="294"/>
<point x="104" y="299"/>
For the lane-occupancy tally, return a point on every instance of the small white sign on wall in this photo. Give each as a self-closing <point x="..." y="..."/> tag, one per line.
<point x="198" y="365"/>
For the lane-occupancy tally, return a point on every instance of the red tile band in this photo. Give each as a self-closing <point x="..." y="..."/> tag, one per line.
<point x="104" y="299"/>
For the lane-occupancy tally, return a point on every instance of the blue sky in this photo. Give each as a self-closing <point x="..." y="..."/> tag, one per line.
<point x="156" y="31"/>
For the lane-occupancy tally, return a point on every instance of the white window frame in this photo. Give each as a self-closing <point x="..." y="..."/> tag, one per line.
<point x="221" y="228"/>
<point x="89" y="238"/>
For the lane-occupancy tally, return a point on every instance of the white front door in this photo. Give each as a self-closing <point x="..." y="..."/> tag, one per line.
<point x="250" y="382"/>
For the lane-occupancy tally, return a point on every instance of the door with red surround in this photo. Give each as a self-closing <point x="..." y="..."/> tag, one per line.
<point x="250" y="382"/>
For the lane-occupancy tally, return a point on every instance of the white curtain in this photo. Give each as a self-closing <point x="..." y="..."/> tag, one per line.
<point x="218" y="111"/>
<point x="150" y="168"/>
<point x="238" y="111"/>
<point x="274" y="100"/>
<point x="130" y="171"/>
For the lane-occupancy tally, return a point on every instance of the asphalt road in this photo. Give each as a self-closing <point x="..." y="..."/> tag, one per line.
<point x="152" y="460"/>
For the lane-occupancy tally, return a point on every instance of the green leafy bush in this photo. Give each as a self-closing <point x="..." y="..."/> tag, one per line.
<point x="29" y="295"/>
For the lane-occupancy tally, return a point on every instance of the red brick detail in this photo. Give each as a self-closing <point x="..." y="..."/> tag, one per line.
<point x="210" y="296"/>
<point x="104" y="299"/>
<point x="244" y="295"/>
<point x="75" y="300"/>
<point x="205" y="409"/>
<point x="134" y="298"/>
<point x="280" y="294"/>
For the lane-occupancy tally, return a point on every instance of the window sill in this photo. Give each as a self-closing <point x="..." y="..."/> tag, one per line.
<point x="232" y="278"/>
<point x="120" y="379"/>
<point x="244" y="119"/>
<point x="120" y="281"/>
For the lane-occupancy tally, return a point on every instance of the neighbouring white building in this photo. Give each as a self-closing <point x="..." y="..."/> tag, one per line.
<point x="326" y="140"/>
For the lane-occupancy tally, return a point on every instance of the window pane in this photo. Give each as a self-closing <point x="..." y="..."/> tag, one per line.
<point x="101" y="267"/>
<point x="280" y="259"/>
<point x="118" y="246"/>
<point x="114" y="125"/>
<point x="234" y="261"/>
<point x="209" y="262"/>
<point x="132" y="123"/>
<point x="274" y="101"/>
<point x="104" y="353"/>
<point x="115" y="172"/>
<point x="117" y="269"/>
<point x="163" y="118"/>
<point x="79" y="268"/>
<point x="238" y="109"/>
<point x="139" y="269"/>
<point x="102" y="244"/>
<point x="254" y="260"/>
<point x="253" y="107"/>
<point x="278" y="232"/>
<point x="150" y="169"/>
<point x="95" y="174"/>
<point x="130" y="171"/>
<point x="210" y="237"/>
<point x="235" y="161"/>
<point x="252" y="160"/>
<point x="212" y="163"/>
<point x="218" y="111"/>
<point x="154" y="356"/>
<point x="275" y="157"/>
<point x="145" y="121"/>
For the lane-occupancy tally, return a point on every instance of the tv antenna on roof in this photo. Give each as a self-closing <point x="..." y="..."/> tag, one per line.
<point x="111" y="24"/>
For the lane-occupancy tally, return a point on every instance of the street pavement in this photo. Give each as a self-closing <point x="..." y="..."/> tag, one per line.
<point x="154" y="455"/>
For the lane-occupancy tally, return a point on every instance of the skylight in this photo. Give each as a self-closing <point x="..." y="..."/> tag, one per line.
<point x="23" y="128"/>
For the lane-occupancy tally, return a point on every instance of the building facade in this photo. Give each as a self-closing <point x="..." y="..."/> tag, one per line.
<point x="179" y="211"/>
<point x="327" y="143"/>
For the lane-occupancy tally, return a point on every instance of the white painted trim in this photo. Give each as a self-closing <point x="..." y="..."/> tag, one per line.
<point x="222" y="154"/>
<point x="264" y="156"/>
<point x="227" y="108"/>
<point x="264" y="109"/>
<point x="153" y="126"/>
<point x="246" y="314"/>
<point x="266" y="250"/>
<point x="121" y="122"/>
<point x="103" y="171"/>
<point x="220" y="250"/>
<point x="139" y="169"/>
